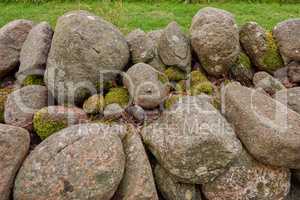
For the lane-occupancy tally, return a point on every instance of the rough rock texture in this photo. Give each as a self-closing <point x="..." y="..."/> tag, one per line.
<point x="171" y="189"/>
<point x="294" y="72"/>
<point x="23" y="103"/>
<point x="215" y="39"/>
<point x="287" y="34"/>
<point x="192" y="140"/>
<point x="156" y="62"/>
<point x="113" y="111"/>
<point x="174" y="48"/>
<point x="260" y="47"/>
<point x="94" y="104"/>
<point x="248" y="179"/>
<point x="267" y="82"/>
<point x="137" y="112"/>
<point x="85" y="50"/>
<point x="12" y="37"/>
<point x="147" y="86"/>
<point x="52" y="119"/>
<point x="13" y="150"/>
<point x="4" y="92"/>
<point x="290" y="97"/>
<point x="138" y="182"/>
<point x="80" y="162"/>
<point x="268" y="129"/>
<point x="34" y="53"/>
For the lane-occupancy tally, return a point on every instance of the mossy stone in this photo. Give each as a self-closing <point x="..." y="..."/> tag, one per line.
<point x="117" y="95"/>
<point x="33" y="80"/>
<point x="197" y="77"/>
<point x="95" y="104"/>
<point x="4" y="92"/>
<point x="204" y="87"/>
<point x="175" y="74"/>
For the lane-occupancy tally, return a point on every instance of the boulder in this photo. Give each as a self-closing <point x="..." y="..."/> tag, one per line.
<point x="287" y="34"/>
<point x="138" y="182"/>
<point x="94" y="104"/>
<point x="86" y="51"/>
<point x="4" y="92"/>
<point x="248" y="179"/>
<point x="156" y="62"/>
<point x="260" y="47"/>
<point x="83" y="161"/>
<point x="215" y="39"/>
<point x="12" y="38"/>
<point x="174" y="48"/>
<point x="113" y="111"/>
<point x="147" y="86"/>
<point x="52" y="119"/>
<point x="267" y="82"/>
<point x="289" y="97"/>
<point x="137" y="112"/>
<point x="268" y="129"/>
<point x="171" y="189"/>
<point x="23" y="103"/>
<point x="13" y="150"/>
<point x="294" y="72"/>
<point x="192" y="140"/>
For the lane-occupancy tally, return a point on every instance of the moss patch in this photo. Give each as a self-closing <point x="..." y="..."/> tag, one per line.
<point x="33" y="80"/>
<point x="171" y="101"/>
<point x="204" y="87"/>
<point x="117" y="95"/>
<point x="162" y="78"/>
<point x="244" y="60"/>
<point x="175" y="74"/>
<point x="3" y="96"/>
<point x="181" y="86"/>
<point x="197" y="77"/>
<point x="95" y="104"/>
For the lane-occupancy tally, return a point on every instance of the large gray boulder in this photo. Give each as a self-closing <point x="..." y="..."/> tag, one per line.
<point x="86" y="51"/>
<point x="192" y="141"/>
<point x="138" y="182"/>
<point x="12" y="37"/>
<point x="287" y="35"/>
<point x="171" y="189"/>
<point x="248" y="179"/>
<point x="35" y="51"/>
<point x="268" y="129"/>
<point x="23" y="103"/>
<point x="290" y="97"/>
<point x="174" y="48"/>
<point x="215" y="39"/>
<point x="13" y="150"/>
<point x="80" y="162"/>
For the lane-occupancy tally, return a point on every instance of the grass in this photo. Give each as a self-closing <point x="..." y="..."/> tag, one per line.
<point x="148" y="15"/>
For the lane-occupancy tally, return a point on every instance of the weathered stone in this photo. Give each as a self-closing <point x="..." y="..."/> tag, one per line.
<point x="192" y="140"/>
<point x="215" y="39"/>
<point x="282" y="75"/>
<point x="156" y="62"/>
<point x="174" y="48"/>
<point x="260" y="47"/>
<point x="13" y="150"/>
<point x="12" y="37"/>
<point x="23" y="103"/>
<point x="267" y="82"/>
<point x="52" y="119"/>
<point x="4" y="92"/>
<point x="137" y="112"/>
<point x="80" y="162"/>
<point x="287" y="34"/>
<point x="113" y="111"/>
<point x="147" y="86"/>
<point x="94" y="104"/>
<point x="290" y="97"/>
<point x="248" y="179"/>
<point x="138" y="182"/>
<point x="171" y="189"/>
<point x="267" y="128"/>
<point x="86" y="51"/>
<point x="34" y="53"/>
<point x="294" y="72"/>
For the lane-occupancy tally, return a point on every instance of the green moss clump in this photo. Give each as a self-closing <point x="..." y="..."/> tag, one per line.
<point x="4" y="92"/>
<point x="204" y="87"/>
<point x="197" y="77"/>
<point x="117" y="95"/>
<point x="44" y="126"/>
<point x="244" y="60"/>
<point x="181" y="86"/>
<point x="171" y="101"/>
<point x="175" y="74"/>
<point x="95" y="104"/>
<point x="33" y="80"/>
<point x="271" y="60"/>
<point x="162" y="78"/>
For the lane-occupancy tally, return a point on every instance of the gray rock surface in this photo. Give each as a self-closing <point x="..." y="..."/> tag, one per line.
<point x="13" y="150"/>
<point x="137" y="112"/>
<point x="267" y="82"/>
<point x="113" y="111"/>
<point x="290" y="97"/>
<point x="294" y="72"/>
<point x="12" y="37"/>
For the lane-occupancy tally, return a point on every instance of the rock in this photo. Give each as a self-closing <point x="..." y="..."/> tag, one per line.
<point x="117" y="95"/>
<point x="175" y="74"/>
<point x="192" y="141"/>
<point x="294" y="72"/>
<point x="156" y="62"/>
<point x="4" y="92"/>
<point x="174" y="48"/>
<point x="113" y="111"/>
<point x="86" y="51"/>
<point x="23" y="103"/>
<point x="80" y="162"/>
<point x="289" y="97"/>
<point x="52" y="119"/>
<point x="147" y="86"/>
<point x="94" y="104"/>
<point x="171" y="189"/>
<point x="12" y="37"/>
<point x="260" y="47"/>
<point x="267" y="82"/>
<point x="248" y="179"/>
<point x="138" y="182"/>
<point x="267" y="128"/>
<point x="282" y="75"/>
<point x="137" y="112"/>
<point x="215" y="39"/>
<point x="287" y="34"/>
<point x="13" y="150"/>
<point x="34" y="53"/>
